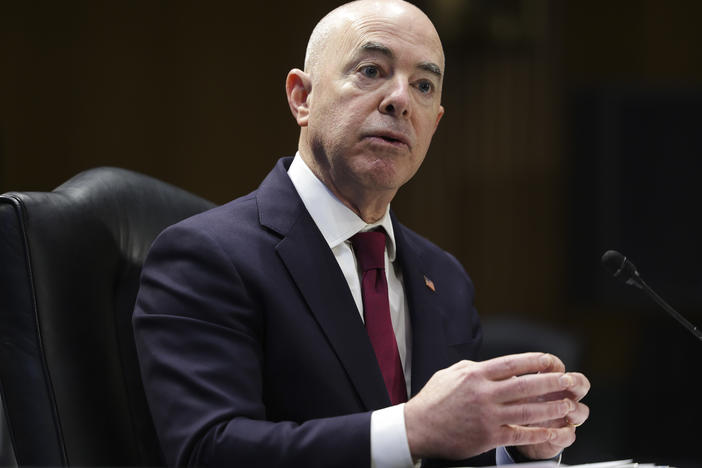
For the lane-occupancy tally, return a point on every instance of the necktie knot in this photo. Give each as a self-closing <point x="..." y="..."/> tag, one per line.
<point x="370" y="249"/>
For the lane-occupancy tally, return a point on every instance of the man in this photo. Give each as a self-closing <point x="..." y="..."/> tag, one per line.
<point x="256" y="329"/>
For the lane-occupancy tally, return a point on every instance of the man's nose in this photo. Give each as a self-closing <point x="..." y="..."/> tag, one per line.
<point x="396" y="101"/>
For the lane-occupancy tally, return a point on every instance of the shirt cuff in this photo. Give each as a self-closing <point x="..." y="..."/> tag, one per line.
<point x="388" y="438"/>
<point x="503" y="456"/>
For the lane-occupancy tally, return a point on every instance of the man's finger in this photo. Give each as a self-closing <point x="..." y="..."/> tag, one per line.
<point x="579" y="415"/>
<point x="574" y="418"/>
<point x="531" y="413"/>
<point x="520" y="364"/>
<point x="576" y="393"/>
<point x="563" y="437"/>
<point x="512" y="434"/>
<point x="529" y="387"/>
<point x="581" y="387"/>
<point x="556" y="365"/>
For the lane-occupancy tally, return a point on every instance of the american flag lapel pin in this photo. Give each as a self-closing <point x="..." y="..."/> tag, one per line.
<point x="429" y="283"/>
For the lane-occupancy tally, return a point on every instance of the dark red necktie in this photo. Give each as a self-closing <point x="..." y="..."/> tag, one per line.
<point x="370" y="253"/>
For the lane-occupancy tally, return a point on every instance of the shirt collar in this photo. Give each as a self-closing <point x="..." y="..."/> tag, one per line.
<point x="335" y="220"/>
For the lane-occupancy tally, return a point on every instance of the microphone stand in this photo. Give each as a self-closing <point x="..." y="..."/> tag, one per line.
<point x="659" y="300"/>
<point x="622" y="269"/>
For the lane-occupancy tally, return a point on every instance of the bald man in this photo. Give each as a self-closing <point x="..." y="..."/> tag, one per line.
<point x="252" y="322"/>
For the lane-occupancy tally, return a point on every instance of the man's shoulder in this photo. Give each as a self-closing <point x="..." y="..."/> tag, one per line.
<point x="432" y="258"/>
<point x="425" y="247"/>
<point x="217" y="228"/>
<point x="237" y="212"/>
<point x="243" y="212"/>
<point x="414" y="238"/>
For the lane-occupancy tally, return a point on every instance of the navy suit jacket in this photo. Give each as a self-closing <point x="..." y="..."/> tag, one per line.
<point x="252" y="349"/>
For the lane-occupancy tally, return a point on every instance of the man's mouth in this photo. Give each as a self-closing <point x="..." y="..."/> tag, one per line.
<point x="390" y="138"/>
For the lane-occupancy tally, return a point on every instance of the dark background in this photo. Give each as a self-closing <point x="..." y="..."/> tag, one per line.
<point x="571" y="127"/>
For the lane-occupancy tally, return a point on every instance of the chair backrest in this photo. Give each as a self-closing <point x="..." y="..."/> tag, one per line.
<point x="70" y="261"/>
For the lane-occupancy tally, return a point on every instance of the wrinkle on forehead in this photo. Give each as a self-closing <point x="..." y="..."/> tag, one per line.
<point x="373" y="29"/>
<point x="351" y="25"/>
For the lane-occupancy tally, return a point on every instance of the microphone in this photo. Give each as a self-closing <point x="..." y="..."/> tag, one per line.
<point x="625" y="271"/>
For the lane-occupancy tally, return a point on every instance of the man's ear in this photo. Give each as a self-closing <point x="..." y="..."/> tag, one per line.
<point x="438" y="117"/>
<point x="298" y="87"/>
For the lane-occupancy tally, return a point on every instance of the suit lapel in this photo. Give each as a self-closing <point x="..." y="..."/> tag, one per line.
<point x="314" y="269"/>
<point x="428" y="335"/>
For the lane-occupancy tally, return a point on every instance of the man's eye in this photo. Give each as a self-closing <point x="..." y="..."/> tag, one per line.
<point x="370" y="71"/>
<point x="425" y="86"/>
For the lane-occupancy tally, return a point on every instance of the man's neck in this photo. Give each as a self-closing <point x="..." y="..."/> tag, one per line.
<point x="369" y="205"/>
<point x="369" y="209"/>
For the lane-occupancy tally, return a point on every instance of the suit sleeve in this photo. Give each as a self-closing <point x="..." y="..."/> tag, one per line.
<point x="199" y="338"/>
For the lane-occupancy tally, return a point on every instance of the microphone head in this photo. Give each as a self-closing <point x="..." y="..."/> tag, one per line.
<point x="621" y="268"/>
<point x="613" y="261"/>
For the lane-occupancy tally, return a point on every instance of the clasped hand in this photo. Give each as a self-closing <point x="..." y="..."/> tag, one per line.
<point x="522" y="400"/>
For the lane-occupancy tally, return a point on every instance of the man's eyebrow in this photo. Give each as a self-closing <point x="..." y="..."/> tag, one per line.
<point x="371" y="46"/>
<point x="431" y="67"/>
<point x="378" y="47"/>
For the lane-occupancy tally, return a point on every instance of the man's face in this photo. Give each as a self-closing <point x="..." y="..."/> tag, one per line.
<point x="375" y="101"/>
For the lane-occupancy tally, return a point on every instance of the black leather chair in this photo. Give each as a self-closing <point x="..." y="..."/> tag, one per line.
<point x="70" y="263"/>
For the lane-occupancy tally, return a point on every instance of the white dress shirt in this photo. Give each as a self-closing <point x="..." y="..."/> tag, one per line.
<point x="337" y="223"/>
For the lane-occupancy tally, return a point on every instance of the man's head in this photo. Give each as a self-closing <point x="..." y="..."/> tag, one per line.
<point x="369" y="99"/>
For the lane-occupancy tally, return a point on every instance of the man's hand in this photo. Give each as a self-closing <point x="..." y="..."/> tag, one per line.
<point x="565" y="433"/>
<point x="524" y="400"/>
